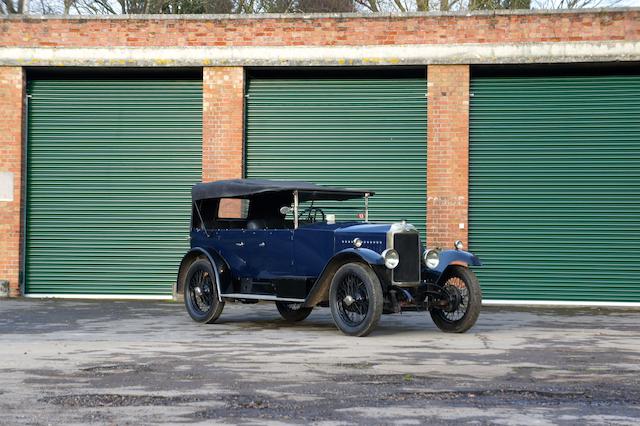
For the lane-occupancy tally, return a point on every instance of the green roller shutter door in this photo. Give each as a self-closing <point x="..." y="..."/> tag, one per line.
<point x="362" y="133"/>
<point x="110" y="166"/>
<point x="555" y="187"/>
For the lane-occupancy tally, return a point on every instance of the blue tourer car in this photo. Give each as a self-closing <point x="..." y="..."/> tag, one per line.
<point x="279" y="241"/>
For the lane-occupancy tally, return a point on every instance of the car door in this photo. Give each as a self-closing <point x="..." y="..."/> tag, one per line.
<point x="233" y="248"/>
<point x="232" y="243"/>
<point x="269" y="253"/>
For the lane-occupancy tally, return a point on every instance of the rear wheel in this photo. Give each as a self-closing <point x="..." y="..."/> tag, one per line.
<point x="356" y="299"/>
<point x="293" y="312"/>
<point x="462" y="292"/>
<point x="201" y="293"/>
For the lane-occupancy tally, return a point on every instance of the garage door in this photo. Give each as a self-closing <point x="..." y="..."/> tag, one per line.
<point x="110" y="166"/>
<point x="355" y="132"/>
<point x="555" y="187"/>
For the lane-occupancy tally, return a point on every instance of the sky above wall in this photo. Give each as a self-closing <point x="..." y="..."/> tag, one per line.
<point x="57" y="6"/>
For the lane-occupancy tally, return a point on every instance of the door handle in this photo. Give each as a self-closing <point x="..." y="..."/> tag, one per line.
<point x="240" y="244"/>
<point x="262" y="244"/>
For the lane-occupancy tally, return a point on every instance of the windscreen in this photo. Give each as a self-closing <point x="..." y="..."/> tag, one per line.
<point x="330" y="211"/>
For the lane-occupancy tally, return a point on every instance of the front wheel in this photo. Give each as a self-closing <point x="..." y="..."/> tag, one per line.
<point x="356" y="299"/>
<point x="293" y="312"/>
<point x="201" y="293"/>
<point x="463" y="297"/>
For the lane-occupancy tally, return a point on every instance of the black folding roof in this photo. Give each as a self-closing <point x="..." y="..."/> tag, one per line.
<point x="241" y="188"/>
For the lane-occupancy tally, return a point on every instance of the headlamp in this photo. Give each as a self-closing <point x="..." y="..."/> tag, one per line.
<point x="391" y="258"/>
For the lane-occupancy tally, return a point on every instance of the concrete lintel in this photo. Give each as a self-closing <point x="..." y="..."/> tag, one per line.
<point x="514" y="53"/>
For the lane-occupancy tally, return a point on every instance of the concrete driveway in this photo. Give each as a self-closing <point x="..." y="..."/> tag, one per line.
<point x="71" y="362"/>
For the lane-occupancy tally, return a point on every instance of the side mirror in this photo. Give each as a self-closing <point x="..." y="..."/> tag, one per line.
<point x="285" y="210"/>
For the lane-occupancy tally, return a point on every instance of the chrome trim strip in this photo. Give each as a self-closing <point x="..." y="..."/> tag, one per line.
<point x="295" y="209"/>
<point x="261" y="297"/>
<point x="366" y="207"/>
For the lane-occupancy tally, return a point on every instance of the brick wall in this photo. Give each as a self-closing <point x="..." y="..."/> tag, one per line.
<point x="11" y="107"/>
<point x="293" y="31"/>
<point x="447" y="154"/>
<point x="223" y="87"/>
<point x="223" y="121"/>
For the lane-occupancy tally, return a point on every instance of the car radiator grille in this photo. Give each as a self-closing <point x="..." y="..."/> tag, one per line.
<point x="408" y="247"/>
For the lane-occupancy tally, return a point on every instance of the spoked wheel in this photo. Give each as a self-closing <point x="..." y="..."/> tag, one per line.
<point x="293" y="312"/>
<point x="201" y="294"/>
<point x="356" y="299"/>
<point x="463" y="297"/>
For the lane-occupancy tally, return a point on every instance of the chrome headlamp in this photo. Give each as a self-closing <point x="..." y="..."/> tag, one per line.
<point x="431" y="258"/>
<point x="391" y="258"/>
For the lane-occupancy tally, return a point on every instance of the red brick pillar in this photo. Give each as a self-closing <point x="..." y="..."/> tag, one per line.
<point x="447" y="155"/>
<point x="222" y="121"/>
<point x="11" y="125"/>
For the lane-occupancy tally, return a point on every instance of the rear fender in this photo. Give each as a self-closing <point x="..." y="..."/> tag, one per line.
<point x="320" y="290"/>
<point x="218" y="264"/>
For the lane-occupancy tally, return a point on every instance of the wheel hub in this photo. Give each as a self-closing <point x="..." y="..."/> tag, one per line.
<point x="348" y="300"/>
<point x="453" y="298"/>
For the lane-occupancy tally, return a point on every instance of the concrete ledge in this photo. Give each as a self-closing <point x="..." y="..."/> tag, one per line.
<point x="99" y="296"/>
<point x="515" y="53"/>
<point x="560" y="303"/>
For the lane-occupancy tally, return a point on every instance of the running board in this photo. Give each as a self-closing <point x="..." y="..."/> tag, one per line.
<point x="260" y="297"/>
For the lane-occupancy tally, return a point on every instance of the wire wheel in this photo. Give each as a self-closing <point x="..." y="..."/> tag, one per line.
<point x="201" y="291"/>
<point x="461" y="298"/>
<point x="353" y="301"/>
<point x="201" y="294"/>
<point x="458" y="294"/>
<point x="356" y="299"/>
<point x="293" y="312"/>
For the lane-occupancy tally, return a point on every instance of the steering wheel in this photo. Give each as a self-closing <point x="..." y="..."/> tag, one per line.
<point x="312" y="214"/>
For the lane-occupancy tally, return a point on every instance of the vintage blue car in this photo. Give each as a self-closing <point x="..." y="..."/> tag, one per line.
<point x="255" y="240"/>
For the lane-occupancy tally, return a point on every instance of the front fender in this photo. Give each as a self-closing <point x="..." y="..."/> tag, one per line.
<point x="448" y="258"/>
<point x="369" y="256"/>
<point x="320" y="290"/>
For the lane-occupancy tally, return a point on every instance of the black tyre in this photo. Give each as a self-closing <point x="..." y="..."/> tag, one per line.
<point x="201" y="293"/>
<point x="462" y="289"/>
<point x="356" y="299"/>
<point x="293" y="312"/>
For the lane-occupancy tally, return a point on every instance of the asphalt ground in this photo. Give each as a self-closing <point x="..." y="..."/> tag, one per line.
<point x="105" y="362"/>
